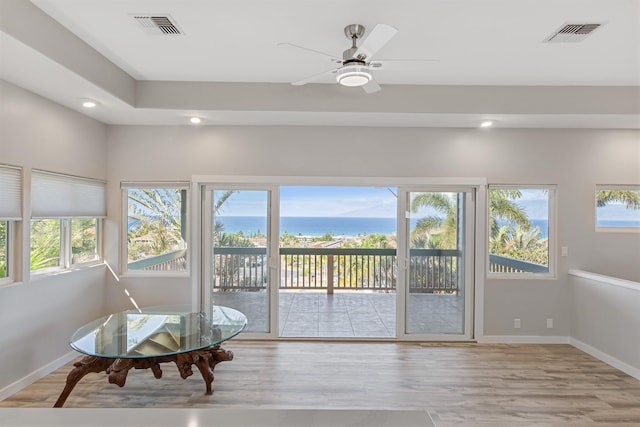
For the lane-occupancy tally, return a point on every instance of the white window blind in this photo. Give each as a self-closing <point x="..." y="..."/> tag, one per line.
<point x="63" y="196"/>
<point x="10" y="193"/>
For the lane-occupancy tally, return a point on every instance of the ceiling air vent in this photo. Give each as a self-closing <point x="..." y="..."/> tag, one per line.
<point x="572" y="33"/>
<point x="158" y="24"/>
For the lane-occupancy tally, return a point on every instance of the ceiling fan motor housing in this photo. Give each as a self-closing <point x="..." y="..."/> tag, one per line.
<point x="354" y="31"/>
<point x="347" y="55"/>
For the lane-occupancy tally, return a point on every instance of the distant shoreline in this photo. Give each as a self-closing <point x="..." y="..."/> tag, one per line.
<point x="348" y="227"/>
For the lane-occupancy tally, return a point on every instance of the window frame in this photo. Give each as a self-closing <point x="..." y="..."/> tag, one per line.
<point x="65" y="259"/>
<point x="99" y="238"/>
<point x="12" y="197"/>
<point x="613" y="187"/>
<point x="552" y="190"/>
<point x="125" y="186"/>
<point x="13" y="255"/>
<point x="75" y="198"/>
<point x="61" y="264"/>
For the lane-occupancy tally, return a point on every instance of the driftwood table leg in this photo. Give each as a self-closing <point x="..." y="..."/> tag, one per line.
<point x="205" y="360"/>
<point x="83" y="367"/>
<point x="117" y="369"/>
<point x="206" y="365"/>
<point x="218" y="355"/>
<point x="202" y="360"/>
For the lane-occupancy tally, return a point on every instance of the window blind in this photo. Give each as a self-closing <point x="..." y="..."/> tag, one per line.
<point x="63" y="196"/>
<point x="10" y="193"/>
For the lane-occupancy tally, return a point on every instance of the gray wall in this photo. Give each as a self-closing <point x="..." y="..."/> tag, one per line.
<point x="605" y="317"/>
<point x="39" y="314"/>
<point x="35" y="133"/>
<point x="574" y="160"/>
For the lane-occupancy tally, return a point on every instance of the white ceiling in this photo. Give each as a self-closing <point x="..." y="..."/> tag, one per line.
<point x="494" y="48"/>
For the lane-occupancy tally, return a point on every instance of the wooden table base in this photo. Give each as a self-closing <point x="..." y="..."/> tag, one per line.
<point x="117" y="369"/>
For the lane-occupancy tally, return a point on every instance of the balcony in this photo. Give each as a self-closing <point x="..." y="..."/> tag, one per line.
<point x="170" y="261"/>
<point x="330" y="269"/>
<point x="432" y="270"/>
<point x="342" y="292"/>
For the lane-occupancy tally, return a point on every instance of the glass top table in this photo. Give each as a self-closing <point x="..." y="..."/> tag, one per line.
<point x="144" y="338"/>
<point x="157" y="331"/>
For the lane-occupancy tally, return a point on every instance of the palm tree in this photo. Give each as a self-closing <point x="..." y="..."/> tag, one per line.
<point x="158" y="216"/>
<point x="45" y="244"/>
<point x="438" y="231"/>
<point x="502" y="207"/>
<point x="219" y="200"/>
<point x="441" y="230"/>
<point x="161" y="204"/>
<point x="518" y="243"/>
<point x="630" y="198"/>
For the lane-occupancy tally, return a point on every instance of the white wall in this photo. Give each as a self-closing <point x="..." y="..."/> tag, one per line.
<point x="605" y="320"/>
<point x="35" y="133"/>
<point x="575" y="160"/>
<point x="38" y="315"/>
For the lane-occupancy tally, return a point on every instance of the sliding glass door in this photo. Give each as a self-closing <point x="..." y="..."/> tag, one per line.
<point x="342" y="262"/>
<point x="437" y="254"/>
<point x="338" y="262"/>
<point x="238" y="246"/>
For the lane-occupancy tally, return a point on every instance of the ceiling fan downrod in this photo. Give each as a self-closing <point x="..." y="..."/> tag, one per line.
<point x="353" y="33"/>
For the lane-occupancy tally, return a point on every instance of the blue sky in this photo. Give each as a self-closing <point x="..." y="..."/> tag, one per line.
<point x="338" y="201"/>
<point x="317" y="201"/>
<point x="369" y="202"/>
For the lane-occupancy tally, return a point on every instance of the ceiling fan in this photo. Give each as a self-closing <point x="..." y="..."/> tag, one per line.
<point x="356" y="65"/>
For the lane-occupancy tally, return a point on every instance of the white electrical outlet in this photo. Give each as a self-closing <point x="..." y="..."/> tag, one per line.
<point x="516" y="323"/>
<point x="564" y="251"/>
<point x="549" y="323"/>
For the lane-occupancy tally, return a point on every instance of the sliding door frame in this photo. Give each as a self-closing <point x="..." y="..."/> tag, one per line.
<point x="206" y="268"/>
<point x="198" y="260"/>
<point x="470" y="262"/>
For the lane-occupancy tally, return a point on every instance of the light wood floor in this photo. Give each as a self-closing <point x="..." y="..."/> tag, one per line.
<point x="458" y="384"/>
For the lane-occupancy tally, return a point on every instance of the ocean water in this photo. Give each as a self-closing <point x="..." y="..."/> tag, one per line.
<point x="619" y="224"/>
<point x="310" y="226"/>
<point x="349" y="226"/>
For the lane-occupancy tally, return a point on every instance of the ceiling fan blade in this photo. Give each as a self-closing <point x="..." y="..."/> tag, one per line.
<point x="332" y="57"/>
<point x="377" y="38"/>
<point x="400" y="64"/>
<point x="371" y="87"/>
<point x="314" y="77"/>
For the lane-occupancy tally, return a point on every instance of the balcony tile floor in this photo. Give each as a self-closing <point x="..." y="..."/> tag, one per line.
<point x="310" y="314"/>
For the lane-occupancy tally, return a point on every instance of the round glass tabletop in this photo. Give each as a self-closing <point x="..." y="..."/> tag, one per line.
<point x="157" y="331"/>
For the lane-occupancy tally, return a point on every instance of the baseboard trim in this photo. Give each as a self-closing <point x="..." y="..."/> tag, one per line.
<point x="606" y="358"/>
<point x="18" y="385"/>
<point x="523" y="339"/>
<point x="42" y="372"/>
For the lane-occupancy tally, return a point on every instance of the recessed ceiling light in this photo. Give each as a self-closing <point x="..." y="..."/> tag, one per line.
<point x="486" y="124"/>
<point x="195" y="120"/>
<point x="88" y="103"/>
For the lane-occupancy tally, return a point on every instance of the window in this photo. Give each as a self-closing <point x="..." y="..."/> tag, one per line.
<point x="618" y="208"/>
<point x="66" y="214"/>
<point x="156" y="227"/>
<point x="45" y="243"/>
<point x="84" y="240"/>
<point x="10" y="215"/>
<point x="521" y="230"/>
<point x="4" y="249"/>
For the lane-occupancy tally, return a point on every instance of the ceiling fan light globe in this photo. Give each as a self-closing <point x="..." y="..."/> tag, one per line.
<point x="353" y="76"/>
